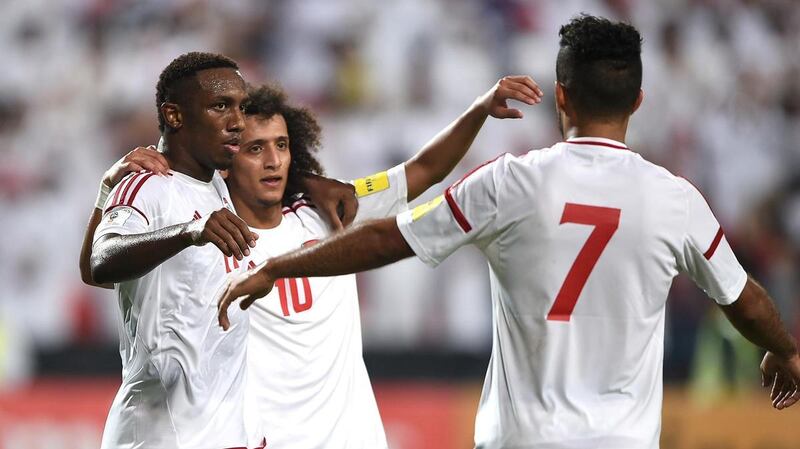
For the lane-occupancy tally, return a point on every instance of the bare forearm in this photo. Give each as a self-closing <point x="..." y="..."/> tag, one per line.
<point x="441" y="154"/>
<point x="86" y="250"/>
<point x="755" y="317"/>
<point x="117" y="258"/>
<point x="370" y="245"/>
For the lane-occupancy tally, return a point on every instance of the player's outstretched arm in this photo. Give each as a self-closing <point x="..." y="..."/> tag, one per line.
<point x="117" y="258"/>
<point x="366" y="246"/>
<point x="336" y="201"/>
<point x="439" y="156"/>
<point x="754" y="316"/>
<point x="141" y="158"/>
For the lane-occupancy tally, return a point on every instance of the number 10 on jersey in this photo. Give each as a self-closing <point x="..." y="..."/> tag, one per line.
<point x="605" y="221"/>
<point x="288" y="287"/>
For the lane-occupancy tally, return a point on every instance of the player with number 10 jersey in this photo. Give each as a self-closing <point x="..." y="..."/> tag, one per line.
<point x="307" y="383"/>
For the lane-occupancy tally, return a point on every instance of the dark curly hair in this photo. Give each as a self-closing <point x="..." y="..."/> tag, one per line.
<point x="181" y="68"/>
<point x="600" y="65"/>
<point x="304" y="132"/>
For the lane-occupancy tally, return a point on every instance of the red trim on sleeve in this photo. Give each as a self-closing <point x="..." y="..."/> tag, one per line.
<point x="457" y="214"/>
<point x="714" y="244"/>
<point x="119" y="199"/>
<point x="132" y="207"/>
<point x="451" y="202"/>
<point x="118" y="189"/>
<point x="138" y="186"/>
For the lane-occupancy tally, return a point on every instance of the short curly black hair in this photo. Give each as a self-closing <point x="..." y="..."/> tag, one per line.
<point x="304" y="132"/>
<point x="600" y="65"/>
<point x="182" y="67"/>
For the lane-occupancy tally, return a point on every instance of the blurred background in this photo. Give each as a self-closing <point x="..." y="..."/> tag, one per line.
<point x="77" y="91"/>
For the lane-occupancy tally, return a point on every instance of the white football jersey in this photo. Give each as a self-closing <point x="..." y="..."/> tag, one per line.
<point x="583" y="240"/>
<point x="182" y="376"/>
<point x="308" y="387"/>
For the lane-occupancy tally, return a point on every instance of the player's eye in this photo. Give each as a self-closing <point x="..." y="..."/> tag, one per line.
<point x="220" y="106"/>
<point x="256" y="149"/>
<point x="282" y="145"/>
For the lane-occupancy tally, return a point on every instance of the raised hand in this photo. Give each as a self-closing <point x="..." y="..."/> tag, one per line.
<point x="519" y="87"/>
<point x="226" y="231"/>
<point x="249" y="286"/>
<point x="140" y="158"/>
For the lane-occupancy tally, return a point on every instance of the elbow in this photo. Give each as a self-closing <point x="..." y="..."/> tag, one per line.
<point x="86" y="276"/>
<point x="98" y="272"/>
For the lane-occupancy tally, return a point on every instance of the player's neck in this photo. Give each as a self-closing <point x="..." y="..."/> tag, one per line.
<point x="182" y="161"/>
<point x="256" y="215"/>
<point x="609" y="130"/>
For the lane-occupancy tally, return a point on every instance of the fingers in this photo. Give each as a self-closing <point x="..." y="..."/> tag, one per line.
<point x="150" y="159"/>
<point x="791" y="400"/>
<point x="508" y="113"/>
<point x="222" y="308"/>
<point x="786" y="392"/>
<point x="518" y="92"/>
<point x="349" y="209"/>
<point x="218" y="241"/>
<point x="249" y="236"/>
<point x="330" y="215"/>
<point x="249" y="287"/>
<point x="777" y="384"/>
<point x="229" y="233"/>
<point x="528" y="81"/>
<point x="521" y="88"/>
<point x="241" y="245"/>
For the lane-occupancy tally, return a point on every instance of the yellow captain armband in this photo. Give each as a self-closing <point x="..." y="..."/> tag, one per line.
<point x="371" y="184"/>
<point x="423" y="209"/>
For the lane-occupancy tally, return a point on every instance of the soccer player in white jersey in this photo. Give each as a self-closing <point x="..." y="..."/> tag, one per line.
<point x="308" y="387"/>
<point x="182" y="378"/>
<point x="583" y="240"/>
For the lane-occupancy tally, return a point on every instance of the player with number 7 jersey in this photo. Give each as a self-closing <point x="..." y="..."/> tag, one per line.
<point x="580" y="266"/>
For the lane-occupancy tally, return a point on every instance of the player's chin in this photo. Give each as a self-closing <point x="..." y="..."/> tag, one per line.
<point x="223" y="161"/>
<point x="270" y="200"/>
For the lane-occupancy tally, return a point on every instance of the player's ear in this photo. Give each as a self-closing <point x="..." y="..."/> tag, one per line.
<point x="172" y="115"/>
<point x="638" y="101"/>
<point x="561" y="96"/>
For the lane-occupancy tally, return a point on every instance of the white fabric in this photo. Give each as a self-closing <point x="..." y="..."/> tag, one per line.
<point x="308" y="387"/>
<point x="182" y="376"/>
<point x="594" y="380"/>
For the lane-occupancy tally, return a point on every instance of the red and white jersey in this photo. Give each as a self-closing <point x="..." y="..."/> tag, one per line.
<point x="583" y="240"/>
<point x="182" y="376"/>
<point x="308" y="387"/>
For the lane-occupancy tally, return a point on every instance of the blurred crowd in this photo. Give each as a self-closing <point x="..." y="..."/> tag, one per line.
<point x="77" y="90"/>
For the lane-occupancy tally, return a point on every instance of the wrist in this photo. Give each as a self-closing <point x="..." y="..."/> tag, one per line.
<point x="481" y="105"/>
<point x="266" y="273"/>
<point x="790" y="351"/>
<point x="188" y="234"/>
<point x="102" y="195"/>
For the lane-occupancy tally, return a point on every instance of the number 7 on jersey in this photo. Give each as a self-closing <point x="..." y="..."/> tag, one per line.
<point x="605" y="221"/>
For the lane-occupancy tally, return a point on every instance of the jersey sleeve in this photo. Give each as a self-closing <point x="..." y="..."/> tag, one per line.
<point x="466" y="213"/>
<point x="131" y="206"/>
<point x="707" y="257"/>
<point x="383" y="194"/>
